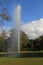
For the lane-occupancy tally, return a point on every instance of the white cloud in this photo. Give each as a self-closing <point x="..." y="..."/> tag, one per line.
<point x="34" y="28"/>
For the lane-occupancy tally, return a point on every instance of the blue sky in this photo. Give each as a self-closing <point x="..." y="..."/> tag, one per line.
<point x="31" y="9"/>
<point x="31" y="16"/>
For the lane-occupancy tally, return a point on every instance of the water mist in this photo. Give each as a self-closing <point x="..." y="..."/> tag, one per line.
<point x="16" y="32"/>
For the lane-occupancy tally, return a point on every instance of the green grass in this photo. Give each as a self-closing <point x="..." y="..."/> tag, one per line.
<point x="21" y="61"/>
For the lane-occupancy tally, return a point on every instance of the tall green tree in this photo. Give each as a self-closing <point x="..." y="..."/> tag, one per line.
<point x="23" y="41"/>
<point x="2" y="41"/>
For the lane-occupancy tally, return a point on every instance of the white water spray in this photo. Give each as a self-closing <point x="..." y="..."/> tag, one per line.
<point x="16" y="31"/>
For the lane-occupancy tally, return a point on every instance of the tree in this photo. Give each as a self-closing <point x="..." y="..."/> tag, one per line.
<point x="23" y="41"/>
<point x="2" y="41"/>
<point x="4" y="17"/>
<point x="41" y="42"/>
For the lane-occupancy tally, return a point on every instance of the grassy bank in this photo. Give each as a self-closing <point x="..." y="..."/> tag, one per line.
<point x="21" y="61"/>
<point x="22" y="52"/>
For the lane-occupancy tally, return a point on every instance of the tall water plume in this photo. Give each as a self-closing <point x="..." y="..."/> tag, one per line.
<point x="16" y="32"/>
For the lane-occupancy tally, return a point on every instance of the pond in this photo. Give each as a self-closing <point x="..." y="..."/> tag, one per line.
<point x="22" y="55"/>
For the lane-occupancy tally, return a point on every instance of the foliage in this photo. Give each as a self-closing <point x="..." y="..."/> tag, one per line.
<point x="24" y="41"/>
<point x="2" y="41"/>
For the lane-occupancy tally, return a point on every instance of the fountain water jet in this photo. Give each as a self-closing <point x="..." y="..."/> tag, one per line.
<point x="16" y="32"/>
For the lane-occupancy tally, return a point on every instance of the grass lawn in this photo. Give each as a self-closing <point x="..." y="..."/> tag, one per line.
<point x="21" y="61"/>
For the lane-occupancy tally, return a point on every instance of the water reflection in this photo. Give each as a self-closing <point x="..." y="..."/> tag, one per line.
<point x="22" y="55"/>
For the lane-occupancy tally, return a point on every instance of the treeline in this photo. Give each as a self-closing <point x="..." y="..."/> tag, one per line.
<point x="26" y="44"/>
<point x="3" y="44"/>
<point x="31" y="44"/>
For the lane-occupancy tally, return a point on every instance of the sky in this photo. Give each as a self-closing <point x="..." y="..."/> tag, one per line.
<point x="31" y="9"/>
<point x="31" y="16"/>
